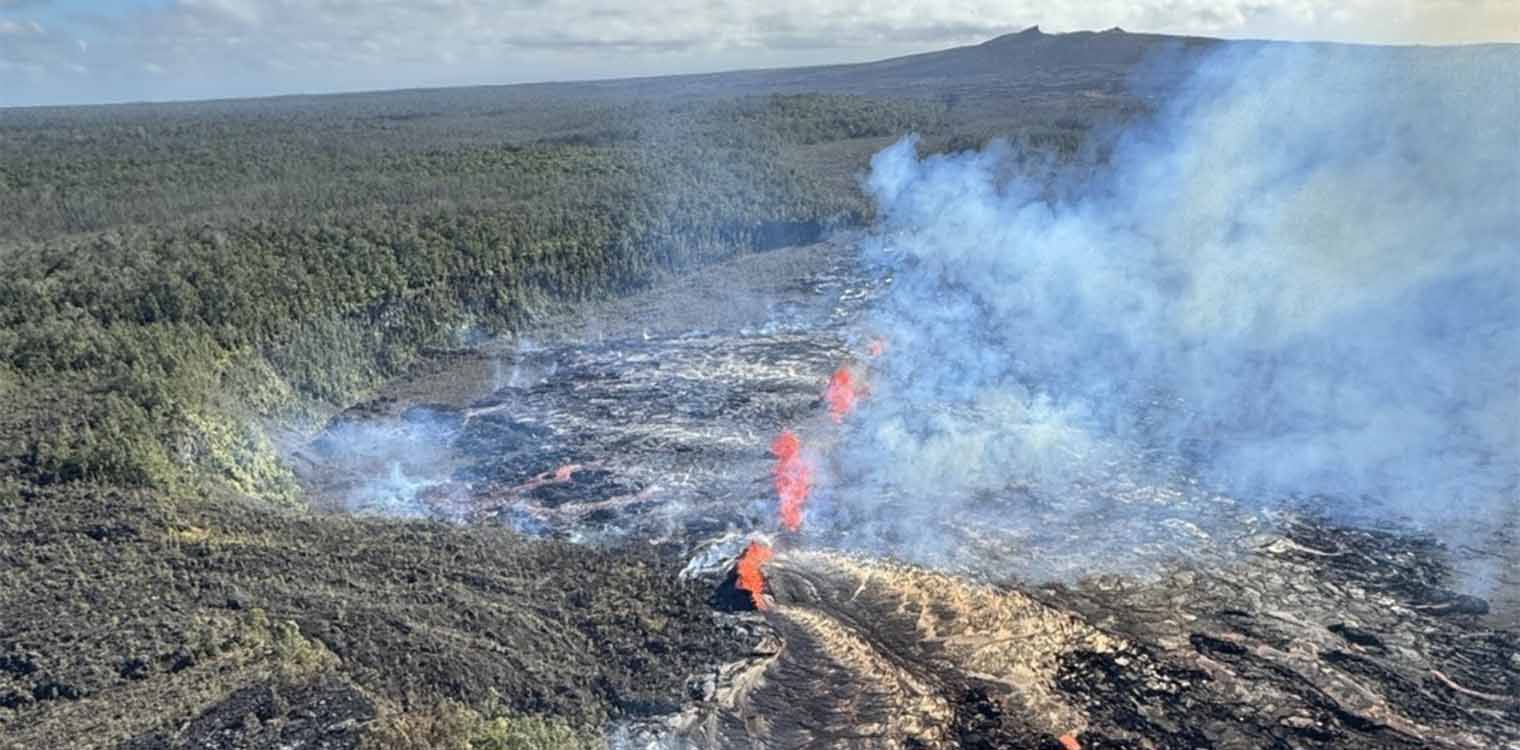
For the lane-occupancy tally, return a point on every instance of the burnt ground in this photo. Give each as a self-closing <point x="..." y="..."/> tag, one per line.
<point x="552" y="521"/>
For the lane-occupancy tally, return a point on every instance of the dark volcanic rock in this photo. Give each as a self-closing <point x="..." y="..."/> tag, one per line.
<point x="324" y="714"/>
<point x="406" y="608"/>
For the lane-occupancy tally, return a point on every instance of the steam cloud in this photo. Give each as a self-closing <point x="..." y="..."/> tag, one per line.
<point x="1301" y="279"/>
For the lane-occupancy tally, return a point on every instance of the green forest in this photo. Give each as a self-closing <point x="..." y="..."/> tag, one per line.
<point x="171" y="283"/>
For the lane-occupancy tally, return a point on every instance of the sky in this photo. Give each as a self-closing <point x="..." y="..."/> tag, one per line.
<point x="94" y="51"/>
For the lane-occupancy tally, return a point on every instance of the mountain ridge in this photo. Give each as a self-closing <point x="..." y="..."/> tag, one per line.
<point x="1011" y="54"/>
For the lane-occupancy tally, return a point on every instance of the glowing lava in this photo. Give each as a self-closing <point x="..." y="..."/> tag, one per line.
<point x="1070" y="742"/>
<point x="877" y="347"/>
<point x="841" y="394"/>
<point x="751" y="578"/>
<point x="793" y="478"/>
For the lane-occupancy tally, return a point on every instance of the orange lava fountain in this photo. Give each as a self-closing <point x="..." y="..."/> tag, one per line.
<point x="751" y="578"/>
<point x="793" y="478"/>
<point x="841" y="394"/>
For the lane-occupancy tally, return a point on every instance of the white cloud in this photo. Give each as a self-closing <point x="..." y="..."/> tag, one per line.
<point x="240" y="11"/>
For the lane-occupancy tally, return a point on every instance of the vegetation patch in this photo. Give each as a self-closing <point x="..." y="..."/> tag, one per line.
<point x="452" y="726"/>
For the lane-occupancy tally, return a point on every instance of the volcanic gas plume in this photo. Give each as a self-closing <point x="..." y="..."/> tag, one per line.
<point x="1296" y="281"/>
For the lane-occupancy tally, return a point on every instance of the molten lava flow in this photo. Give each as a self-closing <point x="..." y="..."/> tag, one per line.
<point x="793" y="477"/>
<point x="1070" y="743"/>
<point x="751" y="579"/>
<point x="563" y="473"/>
<point x="841" y="394"/>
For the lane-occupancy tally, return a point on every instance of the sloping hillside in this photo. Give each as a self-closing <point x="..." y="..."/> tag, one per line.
<point x="184" y="281"/>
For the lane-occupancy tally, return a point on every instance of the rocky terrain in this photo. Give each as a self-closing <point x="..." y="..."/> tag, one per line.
<point x="644" y="426"/>
<point x="443" y="418"/>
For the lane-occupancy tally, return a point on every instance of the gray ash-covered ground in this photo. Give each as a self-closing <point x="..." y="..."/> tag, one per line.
<point x="1131" y="615"/>
<point x="654" y="432"/>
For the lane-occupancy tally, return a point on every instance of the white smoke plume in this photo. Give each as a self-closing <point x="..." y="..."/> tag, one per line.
<point x="1300" y="279"/>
